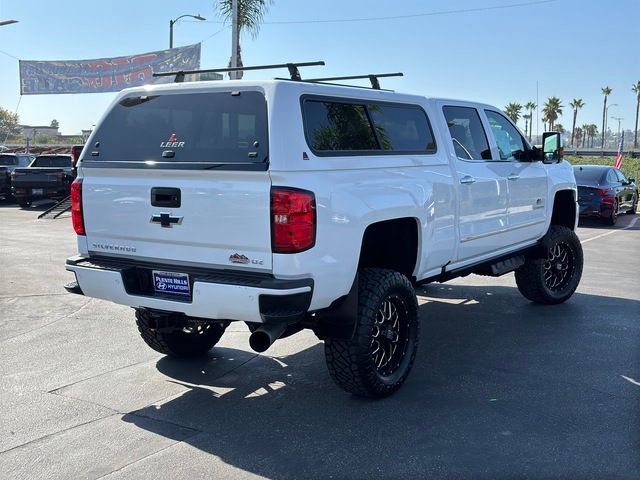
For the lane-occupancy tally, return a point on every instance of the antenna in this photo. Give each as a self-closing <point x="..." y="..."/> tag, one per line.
<point x="292" y="67"/>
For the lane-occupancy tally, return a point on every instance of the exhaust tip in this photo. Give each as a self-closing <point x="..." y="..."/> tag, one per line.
<point x="260" y="341"/>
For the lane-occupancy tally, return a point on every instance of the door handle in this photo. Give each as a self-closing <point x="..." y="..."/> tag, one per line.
<point x="513" y="176"/>
<point x="165" y="197"/>
<point x="467" y="180"/>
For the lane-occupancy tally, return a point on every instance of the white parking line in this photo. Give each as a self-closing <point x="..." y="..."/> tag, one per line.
<point x="633" y="222"/>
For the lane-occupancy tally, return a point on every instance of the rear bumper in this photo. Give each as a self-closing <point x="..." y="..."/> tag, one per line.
<point x="215" y="294"/>
<point x="594" y="208"/>
<point x="49" y="192"/>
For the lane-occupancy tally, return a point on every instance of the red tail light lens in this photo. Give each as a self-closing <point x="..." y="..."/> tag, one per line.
<point x="293" y="220"/>
<point x="77" y="217"/>
<point x="603" y="192"/>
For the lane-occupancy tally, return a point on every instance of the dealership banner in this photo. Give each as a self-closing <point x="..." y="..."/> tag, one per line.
<point x="104" y="74"/>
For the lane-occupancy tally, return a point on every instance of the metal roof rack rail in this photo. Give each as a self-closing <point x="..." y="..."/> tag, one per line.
<point x="373" y="78"/>
<point x="292" y="67"/>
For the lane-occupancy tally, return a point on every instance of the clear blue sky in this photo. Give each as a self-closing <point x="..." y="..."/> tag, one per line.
<point x="571" y="47"/>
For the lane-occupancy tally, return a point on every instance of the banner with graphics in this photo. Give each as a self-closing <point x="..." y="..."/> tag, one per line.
<point x="104" y="74"/>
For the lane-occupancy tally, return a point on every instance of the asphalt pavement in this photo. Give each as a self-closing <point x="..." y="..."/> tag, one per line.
<point x="501" y="387"/>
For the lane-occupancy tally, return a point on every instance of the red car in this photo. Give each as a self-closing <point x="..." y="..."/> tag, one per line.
<point x="604" y="192"/>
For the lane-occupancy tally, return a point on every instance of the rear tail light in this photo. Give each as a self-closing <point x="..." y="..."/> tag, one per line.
<point x="77" y="217"/>
<point x="293" y="220"/>
<point x="603" y="192"/>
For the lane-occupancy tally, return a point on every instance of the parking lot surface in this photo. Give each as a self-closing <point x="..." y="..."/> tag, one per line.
<point x="501" y="388"/>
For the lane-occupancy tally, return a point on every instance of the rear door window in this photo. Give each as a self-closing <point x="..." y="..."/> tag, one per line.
<point x="52" y="161"/>
<point x="467" y="133"/>
<point x="218" y="127"/>
<point x="332" y="126"/>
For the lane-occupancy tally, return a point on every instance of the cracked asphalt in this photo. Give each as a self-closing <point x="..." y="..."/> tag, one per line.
<point x="501" y="388"/>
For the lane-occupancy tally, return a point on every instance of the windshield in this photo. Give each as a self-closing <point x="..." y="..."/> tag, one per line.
<point x="8" y="160"/>
<point x="222" y="127"/>
<point x="588" y="175"/>
<point x="52" y="161"/>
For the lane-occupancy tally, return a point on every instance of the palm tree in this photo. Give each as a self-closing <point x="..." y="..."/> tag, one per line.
<point x="551" y="110"/>
<point x="636" y="89"/>
<point x="558" y="127"/>
<point x="250" y="15"/>
<point x="606" y="91"/>
<point x="585" y="132"/>
<point x="592" y="131"/>
<point x="530" y="106"/>
<point x="526" y="117"/>
<point x="576" y="104"/>
<point x="577" y="135"/>
<point x="513" y="110"/>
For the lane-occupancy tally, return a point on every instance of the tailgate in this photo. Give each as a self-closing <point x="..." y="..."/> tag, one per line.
<point x="38" y="177"/>
<point x="223" y="220"/>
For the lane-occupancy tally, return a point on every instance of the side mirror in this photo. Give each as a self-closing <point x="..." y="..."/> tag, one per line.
<point x="552" y="147"/>
<point x="631" y="180"/>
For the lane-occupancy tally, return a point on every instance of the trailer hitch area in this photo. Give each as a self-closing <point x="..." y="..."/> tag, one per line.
<point x="165" y="321"/>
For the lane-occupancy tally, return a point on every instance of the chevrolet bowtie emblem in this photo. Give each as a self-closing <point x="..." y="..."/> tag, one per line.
<point x="166" y="219"/>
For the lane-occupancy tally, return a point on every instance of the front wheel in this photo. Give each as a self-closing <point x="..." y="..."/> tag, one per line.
<point x="379" y="357"/>
<point x="552" y="277"/>
<point x="191" y="341"/>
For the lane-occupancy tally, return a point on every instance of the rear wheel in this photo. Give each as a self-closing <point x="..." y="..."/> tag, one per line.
<point x="379" y="357"/>
<point x="634" y="205"/>
<point x="191" y="341"/>
<point x="613" y="217"/>
<point x="552" y="277"/>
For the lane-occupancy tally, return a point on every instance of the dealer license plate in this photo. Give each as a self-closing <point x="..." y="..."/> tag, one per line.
<point x="171" y="282"/>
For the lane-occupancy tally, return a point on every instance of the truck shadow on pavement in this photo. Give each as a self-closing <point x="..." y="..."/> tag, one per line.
<point x="501" y="388"/>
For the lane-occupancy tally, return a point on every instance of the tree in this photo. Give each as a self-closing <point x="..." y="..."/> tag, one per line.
<point x="513" y="111"/>
<point x="585" y="129"/>
<point x="527" y="117"/>
<point x="576" y="104"/>
<point x="551" y="110"/>
<point x="55" y="124"/>
<point x="531" y="106"/>
<point x="558" y="127"/>
<point x="636" y="89"/>
<point x="606" y="91"/>
<point x="250" y="15"/>
<point x="576" y="134"/>
<point x="8" y="124"/>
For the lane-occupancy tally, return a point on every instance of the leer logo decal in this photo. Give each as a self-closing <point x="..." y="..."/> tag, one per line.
<point x="172" y="142"/>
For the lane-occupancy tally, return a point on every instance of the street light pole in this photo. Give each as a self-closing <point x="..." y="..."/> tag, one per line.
<point x="173" y="22"/>
<point x="619" y="119"/>
<point x="606" y="122"/>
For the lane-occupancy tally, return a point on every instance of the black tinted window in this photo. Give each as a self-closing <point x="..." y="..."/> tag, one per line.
<point x="52" y="161"/>
<point x="467" y="133"/>
<point x="402" y="128"/>
<point x="192" y="127"/>
<point x="338" y="126"/>
<point x="8" y="160"/>
<point x="588" y="174"/>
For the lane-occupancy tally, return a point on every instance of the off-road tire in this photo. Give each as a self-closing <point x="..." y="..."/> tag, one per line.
<point x="613" y="218"/>
<point x="561" y="254"/>
<point x="634" y="206"/>
<point x="351" y="363"/>
<point x="179" y="343"/>
<point x="24" y="204"/>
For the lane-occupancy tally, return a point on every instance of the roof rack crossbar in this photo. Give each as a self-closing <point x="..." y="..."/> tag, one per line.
<point x="372" y="77"/>
<point x="292" y="67"/>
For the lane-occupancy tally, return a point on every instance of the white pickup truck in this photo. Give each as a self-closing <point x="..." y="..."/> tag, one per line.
<point x="291" y="204"/>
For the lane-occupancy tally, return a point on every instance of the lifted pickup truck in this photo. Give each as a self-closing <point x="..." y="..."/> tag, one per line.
<point x="48" y="177"/>
<point x="291" y="204"/>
